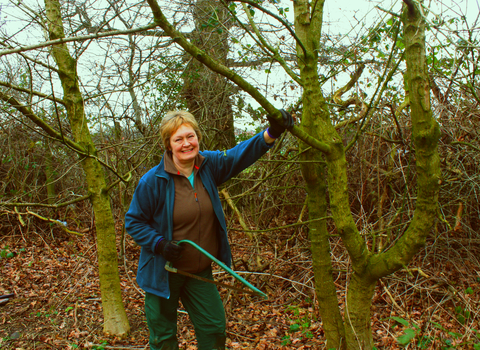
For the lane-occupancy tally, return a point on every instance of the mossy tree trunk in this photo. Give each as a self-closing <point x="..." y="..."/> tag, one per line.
<point x="316" y="121"/>
<point x="367" y="268"/>
<point x="115" y="318"/>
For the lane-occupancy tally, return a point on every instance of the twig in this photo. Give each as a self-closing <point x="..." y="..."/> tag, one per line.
<point x="283" y="227"/>
<point x="239" y="215"/>
<point x="392" y="299"/>
<point x="465" y="144"/>
<point x="43" y="205"/>
<point x="268" y="274"/>
<point x="61" y="224"/>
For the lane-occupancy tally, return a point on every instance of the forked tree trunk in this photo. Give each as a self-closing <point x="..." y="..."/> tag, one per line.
<point x="115" y="318"/>
<point x="367" y="268"/>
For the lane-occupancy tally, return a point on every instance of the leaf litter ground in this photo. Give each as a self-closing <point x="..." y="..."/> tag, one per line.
<point x="57" y="305"/>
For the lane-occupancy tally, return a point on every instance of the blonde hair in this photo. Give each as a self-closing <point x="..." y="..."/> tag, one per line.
<point x="174" y="120"/>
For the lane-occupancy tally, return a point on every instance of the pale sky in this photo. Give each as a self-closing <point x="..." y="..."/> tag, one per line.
<point x="342" y="17"/>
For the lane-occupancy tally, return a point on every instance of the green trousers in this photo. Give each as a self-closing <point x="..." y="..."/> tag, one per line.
<point x="203" y="304"/>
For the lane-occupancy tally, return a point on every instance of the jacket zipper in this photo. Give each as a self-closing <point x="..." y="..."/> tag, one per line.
<point x="200" y="211"/>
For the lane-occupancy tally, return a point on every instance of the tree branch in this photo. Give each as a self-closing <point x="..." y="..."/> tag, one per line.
<point x="353" y="80"/>
<point x="25" y="110"/>
<point x="39" y="94"/>
<point x="276" y="55"/>
<point x="43" y="205"/>
<point x="219" y="68"/>
<point x="278" y="18"/>
<point x="77" y="38"/>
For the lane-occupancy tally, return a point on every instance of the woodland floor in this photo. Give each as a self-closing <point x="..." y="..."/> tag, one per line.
<point x="58" y="306"/>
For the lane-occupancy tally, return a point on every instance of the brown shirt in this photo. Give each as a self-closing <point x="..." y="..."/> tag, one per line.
<point x="193" y="218"/>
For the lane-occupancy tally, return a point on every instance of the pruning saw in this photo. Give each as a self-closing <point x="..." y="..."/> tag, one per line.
<point x="252" y="290"/>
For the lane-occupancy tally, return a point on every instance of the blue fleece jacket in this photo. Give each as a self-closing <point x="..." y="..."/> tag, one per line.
<point x="150" y="216"/>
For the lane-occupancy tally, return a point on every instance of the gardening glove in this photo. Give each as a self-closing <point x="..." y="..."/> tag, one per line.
<point x="170" y="250"/>
<point x="275" y="130"/>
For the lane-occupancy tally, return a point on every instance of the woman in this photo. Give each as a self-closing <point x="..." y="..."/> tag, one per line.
<point x="178" y="199"/>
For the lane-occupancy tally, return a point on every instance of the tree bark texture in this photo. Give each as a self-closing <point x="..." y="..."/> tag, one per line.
<point x="115" y="318"/>
<point x="425" y="135"/>
<point x="315" y="177"/>
<point x="315" y="120"/>
<point x="357" y="317"/>
<point x="425" y="131"/>
<point x="208" y="94"/>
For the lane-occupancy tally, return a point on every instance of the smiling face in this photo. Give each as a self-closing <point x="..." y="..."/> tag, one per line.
<point x="184" y="145"/>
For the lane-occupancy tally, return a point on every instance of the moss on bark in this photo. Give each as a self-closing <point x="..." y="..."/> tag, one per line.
<point x="115" y="318"/>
